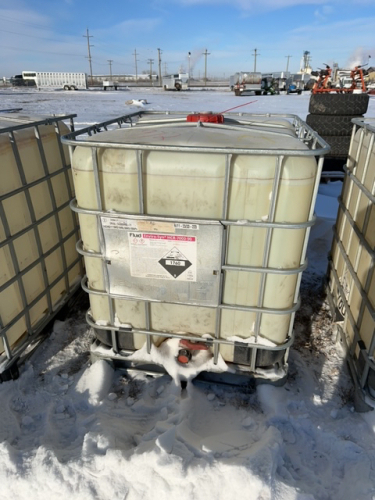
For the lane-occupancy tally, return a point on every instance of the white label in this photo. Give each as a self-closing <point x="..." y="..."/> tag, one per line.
<point x="117" y="223"/>
<point x="163" y="256"/>
<point x="183" y="225"/>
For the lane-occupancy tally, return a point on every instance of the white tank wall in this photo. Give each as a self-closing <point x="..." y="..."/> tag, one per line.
<point x="191" y="185"/>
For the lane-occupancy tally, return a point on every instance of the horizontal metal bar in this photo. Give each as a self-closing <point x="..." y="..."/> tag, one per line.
<point x="359" y="184"/>
<point x="27" y="229"/>
<point x="366" y="123"/>
<point x="266" y="270"/>
<point x="71" y="139"/>
<point x="33" y="123"/>
<point x="208" y="340"/>
<point x="354" y="276"/>
<point x="30" y="185"/>
<point x="38" y="260"/>
<point x="41" y="295"/>
<point x="7" y="359"/>
<point x="238" y="223"/>
<point x="356" y="229"/>
<point x="235" y="307"/>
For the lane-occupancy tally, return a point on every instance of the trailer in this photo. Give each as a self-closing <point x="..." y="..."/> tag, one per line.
<point x="53" y="79"/>
<point x="110" y="84"/>
<point x="248" y="82"/>
<point x="175" y="82"/>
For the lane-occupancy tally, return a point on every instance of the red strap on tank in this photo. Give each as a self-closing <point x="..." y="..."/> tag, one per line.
<point x="205" y="117"/>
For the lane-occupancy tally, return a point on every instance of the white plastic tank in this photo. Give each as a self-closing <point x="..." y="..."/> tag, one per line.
<point x="257" y="303"/>
<point x="39" y="265"/>
<point x="351" y="274"/>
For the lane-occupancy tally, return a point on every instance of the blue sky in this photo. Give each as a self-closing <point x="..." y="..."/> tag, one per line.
<point x="48" y="35"/>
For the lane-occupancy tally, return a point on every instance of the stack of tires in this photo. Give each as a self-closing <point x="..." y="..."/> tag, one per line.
<point x="330" y="116"/>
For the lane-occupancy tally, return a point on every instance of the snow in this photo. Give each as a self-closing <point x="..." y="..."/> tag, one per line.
<point x="79" y="431"/>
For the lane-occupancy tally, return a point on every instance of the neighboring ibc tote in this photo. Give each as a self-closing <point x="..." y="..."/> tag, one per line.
<point x="39" y="266"/>
<point x="351" y="276"/>
<point x="194" y="231"/>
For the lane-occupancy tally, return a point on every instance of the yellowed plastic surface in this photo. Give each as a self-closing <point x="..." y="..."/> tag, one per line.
<point x="362" y="211"/>
<point x="191" y="185"/>
<point x="19" y="220"/>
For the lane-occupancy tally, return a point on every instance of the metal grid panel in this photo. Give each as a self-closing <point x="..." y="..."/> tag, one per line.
<point x="351" y="276"/>
<point x="41" y="278"/>
<point x="316" y="147"/>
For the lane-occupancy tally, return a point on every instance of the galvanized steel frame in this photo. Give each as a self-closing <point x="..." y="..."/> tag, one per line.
<point x="361" y="365"/>
<point x="11" y="355"/>
<point x="317" y="147"/>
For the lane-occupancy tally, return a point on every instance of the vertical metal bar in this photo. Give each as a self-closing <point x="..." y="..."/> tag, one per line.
<point x="4" y="339"/>
<point x="224" y="247"/>
<point x="67" y="181"/>
<point x="148" y="326"/>
<point x="16" y="267"/>
<point x="340" y="233"/>
<point x="140" y="181"/>
<point x="21" y="173"/>
<point x="267" y="249"/>
<point x="228" y="158"/>
<point x="101" y="238"/>
<point x="359" y="250"/>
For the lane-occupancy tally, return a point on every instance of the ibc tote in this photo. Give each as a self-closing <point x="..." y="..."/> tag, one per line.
<point x="194" y="230"/>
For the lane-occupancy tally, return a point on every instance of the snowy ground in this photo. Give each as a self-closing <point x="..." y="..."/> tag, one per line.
<point x="71" y="430"/>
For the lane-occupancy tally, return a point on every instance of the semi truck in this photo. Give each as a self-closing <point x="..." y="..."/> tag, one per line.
<point x="53" y="79"/>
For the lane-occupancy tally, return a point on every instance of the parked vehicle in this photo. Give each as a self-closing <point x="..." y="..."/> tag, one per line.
<point x="175" y="82"/>
<point x="109" y="84"/>
<point x="248" y="82"/>
<point x="44" y="79"/>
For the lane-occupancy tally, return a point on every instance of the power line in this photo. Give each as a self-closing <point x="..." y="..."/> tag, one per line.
<point x="33" y="36"/>
<point x="17" y="21"/>
<point x="23" y="49"/>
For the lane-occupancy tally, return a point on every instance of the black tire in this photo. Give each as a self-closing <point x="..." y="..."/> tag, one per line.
<point x="331" y="124"/>
<point x="339" y="145"/>
<point x="237" y="92"/>
<point x="338" y="104"/>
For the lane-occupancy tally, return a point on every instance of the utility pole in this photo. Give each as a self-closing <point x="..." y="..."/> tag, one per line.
<point x="287" y="63"/>
<point x="189" y="54"/>
<point x="159" y="55"/>
<point x="88" y="49"/>
<point x="110" y="67"/>
<point x="136" y="70"/>
<point x="165" y="69"/>
<point x="255" y="54"/>
<point x="205" y="53"/>
<point x="150" y="61"/>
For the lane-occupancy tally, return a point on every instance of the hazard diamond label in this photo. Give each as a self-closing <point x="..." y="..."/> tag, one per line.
<point x="175" y="262"/>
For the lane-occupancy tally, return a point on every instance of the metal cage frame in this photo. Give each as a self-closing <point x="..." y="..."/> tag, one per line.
<point x="360" y="359"/>
<point x="8" y="360"/>
<point x="317" y="147"/>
